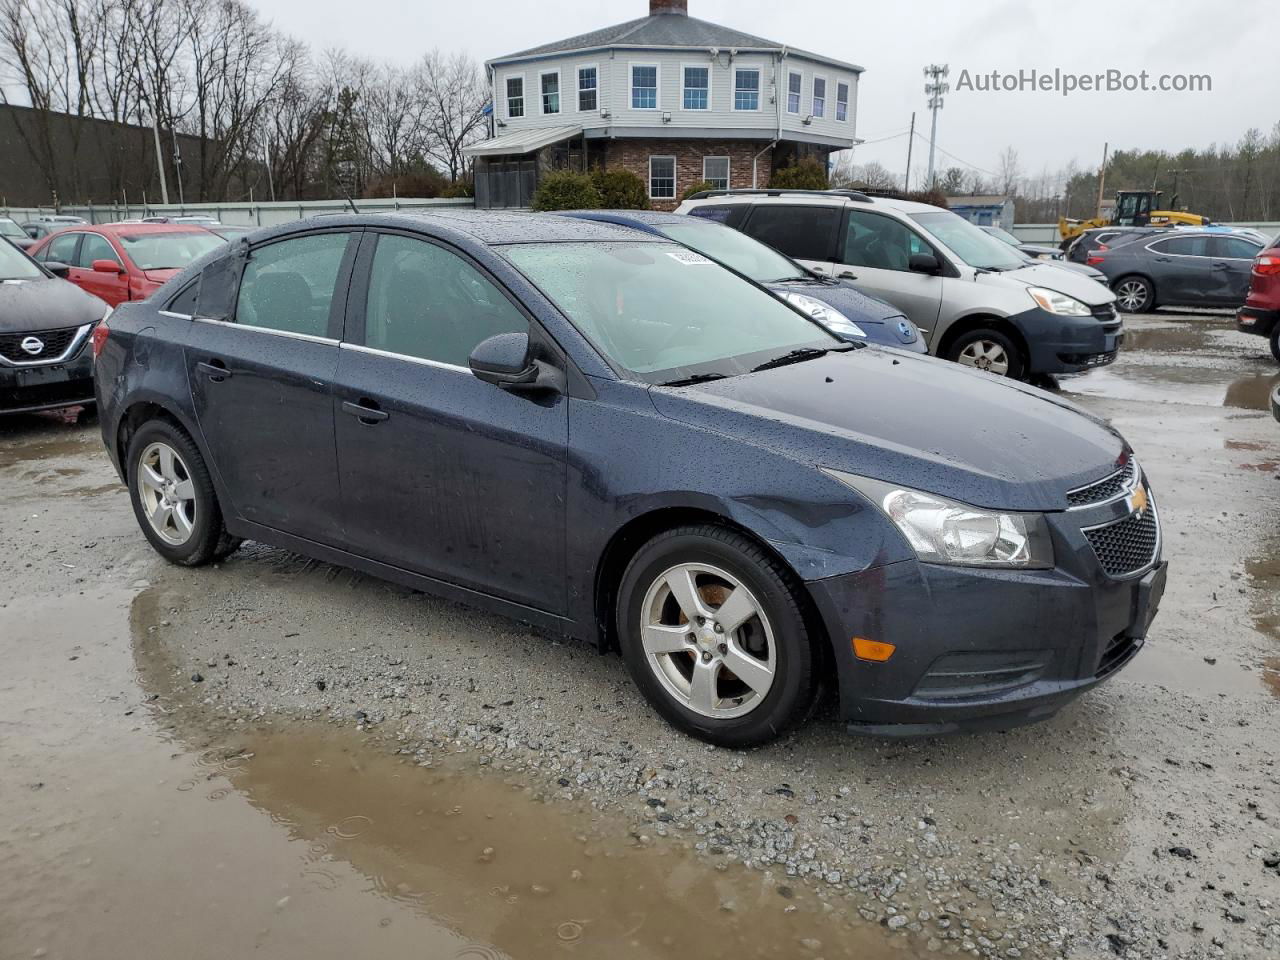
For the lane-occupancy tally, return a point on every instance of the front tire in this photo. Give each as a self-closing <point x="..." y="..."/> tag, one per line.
<point x="713" y="635"/>
<point x="989" y="350"/>
<point x="1135" y="294"/>
<point x="173" y="497"/>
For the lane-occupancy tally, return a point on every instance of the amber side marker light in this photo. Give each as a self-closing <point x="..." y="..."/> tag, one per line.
<point x="873" y="650"/>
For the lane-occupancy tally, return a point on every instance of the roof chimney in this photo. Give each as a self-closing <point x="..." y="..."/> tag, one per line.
<point x="678" y="7"/>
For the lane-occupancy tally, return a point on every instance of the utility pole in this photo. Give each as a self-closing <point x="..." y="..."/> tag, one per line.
<point x="266" y="155"/>
<point x="935" y="88"/>
<point x="1102" y="180"/>
<point x="164" y="185"/>
<point x="911" y="141"/>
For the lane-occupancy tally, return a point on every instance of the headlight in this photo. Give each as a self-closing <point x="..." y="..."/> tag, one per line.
<point x="823" y="313"/>
<point x="1058" y="303"/>
<point x="945" y="531"/>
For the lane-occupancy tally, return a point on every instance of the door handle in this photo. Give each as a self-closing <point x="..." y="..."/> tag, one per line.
<point x="215" y="370"/>
<point x="365" y="412"/>
<point x="1163" y="260"/>
<point x="847" y="275"/>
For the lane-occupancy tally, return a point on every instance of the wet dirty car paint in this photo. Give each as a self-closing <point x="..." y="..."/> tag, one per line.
<point x="128" y="834"/>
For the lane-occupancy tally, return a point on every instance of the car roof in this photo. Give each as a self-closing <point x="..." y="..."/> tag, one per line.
<point x="641" y="218"/>
<point x="817" y="198"/>
<point x="136" y="229"/>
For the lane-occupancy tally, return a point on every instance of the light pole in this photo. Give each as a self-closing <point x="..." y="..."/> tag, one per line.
<point x="935" y="89"/>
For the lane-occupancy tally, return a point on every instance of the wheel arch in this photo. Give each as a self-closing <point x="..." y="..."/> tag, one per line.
<point x="145" y="408"/>
<point x="980" y="321"/>
<point x="1140" y="275"/>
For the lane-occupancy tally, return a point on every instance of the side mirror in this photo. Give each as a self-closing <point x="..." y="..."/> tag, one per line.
<point x="106" y="266"/>
<point x="506" y="361"/>
<point x="57" y="268"/>
<point x="923" y="263"/>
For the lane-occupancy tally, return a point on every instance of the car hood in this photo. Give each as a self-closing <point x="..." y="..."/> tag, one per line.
<point x="845" y="297"/>
<point x="1051" y="275"/>
<point x="1035" y="250"/>
<point x="1082" y="269"/>
<point x="912" y="420"/>
<point x="46" y="304"/>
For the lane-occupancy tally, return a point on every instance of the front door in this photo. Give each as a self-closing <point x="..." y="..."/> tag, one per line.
<point x="1230" y="268"/>
<point x="875" y="254"/>
<point x="1180" y="269"/>
<point x="443" y="474"/>
<point x="261" y="358"/>
<point x="111" y="287"/>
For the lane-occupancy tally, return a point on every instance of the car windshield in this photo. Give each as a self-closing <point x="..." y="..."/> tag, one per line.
<point x="665" y="314"/>
<point x="10" y="229"/>
<point x="168" y="251"/>
<point x="16" y="265"/>
<point x="735" y="250"/>
<point x="969" y="243"/>
<point x="1004" y="236"/>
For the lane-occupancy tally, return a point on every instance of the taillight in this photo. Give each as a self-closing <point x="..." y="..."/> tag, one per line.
<point x="1098" y="255"/>
<point x="100" y="334"/>
<point x="1267" y="265"/>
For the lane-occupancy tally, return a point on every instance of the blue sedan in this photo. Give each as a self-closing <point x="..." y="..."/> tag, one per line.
<point x="838" y="305"/>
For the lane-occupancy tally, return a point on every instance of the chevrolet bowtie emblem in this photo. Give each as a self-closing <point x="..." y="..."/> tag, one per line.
<point x="1138" y="502"/>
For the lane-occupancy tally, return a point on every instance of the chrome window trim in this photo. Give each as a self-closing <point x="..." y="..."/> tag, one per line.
<point x="440" y="364"/>
<point x="1151" y="246"/>
<point x="1126" y="491"/>
<point x="1155" y="551"/>
<point x="279" y="333"/>
<point x="175" y="316"/>
<point x="73" y="348"/>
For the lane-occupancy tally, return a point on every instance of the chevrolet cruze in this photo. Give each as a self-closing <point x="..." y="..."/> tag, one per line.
<point x="609" y="436"/>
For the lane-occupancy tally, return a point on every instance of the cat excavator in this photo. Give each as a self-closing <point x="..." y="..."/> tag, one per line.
<point x="1133" y="208"/>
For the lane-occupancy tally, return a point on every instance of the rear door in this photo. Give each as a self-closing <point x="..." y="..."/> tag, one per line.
<point x="1230" y="265"/>
<point x="443" y="474"/>
<point x="261" y="359"/>
<point x="111" y="287"/>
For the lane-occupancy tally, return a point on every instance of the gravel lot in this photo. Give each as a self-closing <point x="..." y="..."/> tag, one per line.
<point x="1140" y="822"/>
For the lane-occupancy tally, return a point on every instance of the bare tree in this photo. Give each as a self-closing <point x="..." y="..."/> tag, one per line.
<point x="454" y="91"/>
<point x="1010" y="173"/>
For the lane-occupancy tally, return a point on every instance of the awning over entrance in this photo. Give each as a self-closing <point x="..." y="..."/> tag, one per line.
<point x="521" y="142"/>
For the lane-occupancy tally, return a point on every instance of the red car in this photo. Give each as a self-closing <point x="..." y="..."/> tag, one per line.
<point x="1261" y="311"/>
<point x="124" y="261"/>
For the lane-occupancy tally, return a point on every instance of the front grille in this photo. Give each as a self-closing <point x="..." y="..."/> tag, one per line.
<point x="1106" y="312"/>
<point x="960" y="676"/>
<point x="1127" y="546"/>
<point x="40" y="395"/>
<point x="55" y="345"/>
<point x="1088" y="359"/>
<point x="1108" y="488"/>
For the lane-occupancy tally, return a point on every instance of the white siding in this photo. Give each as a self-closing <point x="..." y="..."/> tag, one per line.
<point x="614" y="92"/>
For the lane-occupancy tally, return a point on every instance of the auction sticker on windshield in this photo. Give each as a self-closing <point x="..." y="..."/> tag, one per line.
<point x="688" y="257"/>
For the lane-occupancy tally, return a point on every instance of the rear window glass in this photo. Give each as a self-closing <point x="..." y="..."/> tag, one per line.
<point x="803" y="233"/>
<point x="730" y="214"/>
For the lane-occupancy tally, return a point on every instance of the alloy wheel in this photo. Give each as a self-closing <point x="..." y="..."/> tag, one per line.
<point x="986" y="355"/>
<point x="1132" y="295"/>
<point x="707" y="640"/>
<point x="167" y="492"/>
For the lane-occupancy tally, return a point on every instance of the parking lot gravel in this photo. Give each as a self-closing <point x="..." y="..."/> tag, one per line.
<point x="1141" y="822"/>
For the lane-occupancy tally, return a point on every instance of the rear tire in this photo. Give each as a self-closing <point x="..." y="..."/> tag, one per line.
<point x="173" y="497"/>
<point x="1134" y="294"/>
<point x="743" y="674"/>
<point x="989" y="350"/>
<point x="1275" y="341"/>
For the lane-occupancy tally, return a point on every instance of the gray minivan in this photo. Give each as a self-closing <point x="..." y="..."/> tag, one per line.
<point x="976" y="300"/>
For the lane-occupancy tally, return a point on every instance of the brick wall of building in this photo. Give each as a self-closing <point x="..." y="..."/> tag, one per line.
<point x="634" y="155"/>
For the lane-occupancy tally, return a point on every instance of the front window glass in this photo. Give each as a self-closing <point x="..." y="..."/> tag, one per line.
<point x="664" y="313"/>
<point x="95" y="247"/>
<point x="10" y="229"/>
<point x="967" y="242"/>
<point x="289" y="286"/>
<point x="736" y="250"/>
<point x="746" y="90"/>
<point x="14" y="264"/>
<point x="168" y="251"/>
<point x="644" y="88"/>
<point x="551" y="93"/>
<point x="62" y="249"/>
<point x="697" y="81"/>
<point x="427" y="302"/>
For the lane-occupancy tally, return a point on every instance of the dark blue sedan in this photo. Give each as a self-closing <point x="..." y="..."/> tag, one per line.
<point x="836" y="304"/>
<point x="611" y="436"/>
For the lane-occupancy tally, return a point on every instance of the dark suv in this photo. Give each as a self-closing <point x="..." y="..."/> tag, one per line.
<point x="606" y="434"/>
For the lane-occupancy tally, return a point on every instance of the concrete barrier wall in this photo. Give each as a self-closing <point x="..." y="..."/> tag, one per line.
<point x="239" y="214"/>
<point x="1047" y="233"/>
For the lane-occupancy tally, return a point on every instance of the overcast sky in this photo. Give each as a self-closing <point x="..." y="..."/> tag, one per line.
<point x="894" y="41"/>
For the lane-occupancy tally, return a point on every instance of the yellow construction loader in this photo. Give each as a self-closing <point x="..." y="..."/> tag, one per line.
<point x="1133" y="209"/>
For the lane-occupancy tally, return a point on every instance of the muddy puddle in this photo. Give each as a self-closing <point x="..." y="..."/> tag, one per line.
<point x="123" y="835"/>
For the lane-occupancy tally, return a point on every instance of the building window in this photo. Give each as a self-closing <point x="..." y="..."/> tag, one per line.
<point x="588" y="87"/>
<point x="662" y="178"/>
<point x="819" y="96"/>
<point x="746" y="90"/>
<point x="644" y="88"/>
<point x="842" y="102"/>
<point x="697" y="88"/>
<point x="551" y="92"/>
<point x="795" y="84"/>
<point x="715" y="170"/>
<point x="515" y="97"/>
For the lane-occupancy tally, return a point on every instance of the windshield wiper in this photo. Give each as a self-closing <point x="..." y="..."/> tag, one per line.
<point x="802" y="354"/>
<point x="696" y="378"/>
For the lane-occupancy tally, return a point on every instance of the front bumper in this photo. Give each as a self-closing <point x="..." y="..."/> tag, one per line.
<point x="66" y="384"/>
<point x="986" y="648"/>
<point x="1059" y="344"/>
<point x="1256" y="320"/>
